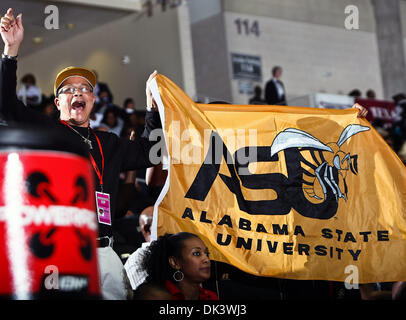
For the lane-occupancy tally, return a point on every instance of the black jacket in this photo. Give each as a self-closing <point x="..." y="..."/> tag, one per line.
<point x="119" y="154"/>
<point x="271" y="94"/>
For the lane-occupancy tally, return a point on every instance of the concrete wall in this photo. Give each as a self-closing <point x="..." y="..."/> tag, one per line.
<point x="314" y="58"/>
<point x="308" y="39"/>
<point x="186" y="49"/>
<point x="319" y="12"/>
<point x="390" y="43"/>
<point x="201" y="10"/>
<point x="150" y="42"/>
<point x="210" y="54"/>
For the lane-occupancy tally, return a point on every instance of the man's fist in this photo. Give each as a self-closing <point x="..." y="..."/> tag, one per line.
<point x="12" y="32"/>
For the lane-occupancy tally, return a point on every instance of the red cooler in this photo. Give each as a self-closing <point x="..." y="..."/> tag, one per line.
<point x="48" y="225"/>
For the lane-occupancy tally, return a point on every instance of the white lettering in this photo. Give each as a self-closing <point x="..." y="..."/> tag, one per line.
<point x="51" y="281"/>
<point x="352" y="20"/>
<point x="378" y="112"/>
<point x="55" y="215"/>
<point x="72" y="283"/>
<point x="191" y="152"/>
<point x="351" y="282"/>
<point x="52" y="21"/>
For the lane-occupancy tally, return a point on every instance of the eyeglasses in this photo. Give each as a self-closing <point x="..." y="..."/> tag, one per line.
<point x="72" y="90"/>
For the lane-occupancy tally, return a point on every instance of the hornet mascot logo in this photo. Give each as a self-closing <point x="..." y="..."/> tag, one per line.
<point x="327" y="172"/>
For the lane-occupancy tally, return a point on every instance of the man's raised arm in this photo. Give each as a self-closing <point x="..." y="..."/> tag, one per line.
<point x="12" y="34"/>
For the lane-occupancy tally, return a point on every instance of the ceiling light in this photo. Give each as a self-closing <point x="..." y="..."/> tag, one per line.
<point x="125" y="60"/>
<point x="37" y="40"/>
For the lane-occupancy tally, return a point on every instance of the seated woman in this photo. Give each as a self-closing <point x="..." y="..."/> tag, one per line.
<point x="111" y="122"/>
<point x="178" y="263"/>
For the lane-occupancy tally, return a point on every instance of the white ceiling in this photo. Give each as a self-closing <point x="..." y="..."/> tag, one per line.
<point x="83" y="17"/>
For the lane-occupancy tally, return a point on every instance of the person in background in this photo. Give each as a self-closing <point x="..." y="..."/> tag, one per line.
<point x="356" y="93"/>
<point x="398" y="129"/>
<point x="129" y="105"/>
<point x="111" y="122"/>
<point x="400" y="106"/>
<point x="48" y="107"/>
<point x="29" y="93"/>
<point x="179" y="263"/>
<point x="100" y="108"/>
<point x="257" y="98"/>
<point x="132" y="203"/>
<point x="275" y="93"/>
<point x="101" y="87"/>
<point x="133" y="119"/>
<point x="133" y="266"/>
<point x="371" y="94"/>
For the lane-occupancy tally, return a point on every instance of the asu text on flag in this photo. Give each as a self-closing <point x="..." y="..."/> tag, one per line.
<point x="286" y="192"/>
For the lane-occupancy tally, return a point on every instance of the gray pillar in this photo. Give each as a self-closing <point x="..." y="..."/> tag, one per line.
<point x="210" y="53"/>
<point x="390" y="46"/>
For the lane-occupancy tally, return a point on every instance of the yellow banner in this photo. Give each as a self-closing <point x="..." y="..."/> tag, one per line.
<point x="286" y="192"/>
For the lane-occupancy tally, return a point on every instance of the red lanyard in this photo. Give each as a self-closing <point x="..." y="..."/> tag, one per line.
<point x="95" y="167"/>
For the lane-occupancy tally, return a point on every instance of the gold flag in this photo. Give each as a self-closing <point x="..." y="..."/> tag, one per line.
<point x="286" y="192"/>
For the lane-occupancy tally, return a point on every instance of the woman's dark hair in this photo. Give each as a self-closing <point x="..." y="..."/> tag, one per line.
<point x="156" y="259"/>
<point x="151" y="291"/>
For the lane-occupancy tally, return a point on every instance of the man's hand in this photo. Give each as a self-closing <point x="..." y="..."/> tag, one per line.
<point x="12" y="32"/>
<point x="151" y="103"/>
<point x="362" y="112"/>
<point x="130" y="176"/>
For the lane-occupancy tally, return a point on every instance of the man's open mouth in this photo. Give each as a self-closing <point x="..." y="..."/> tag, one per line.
<point x="78" y="105"/>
